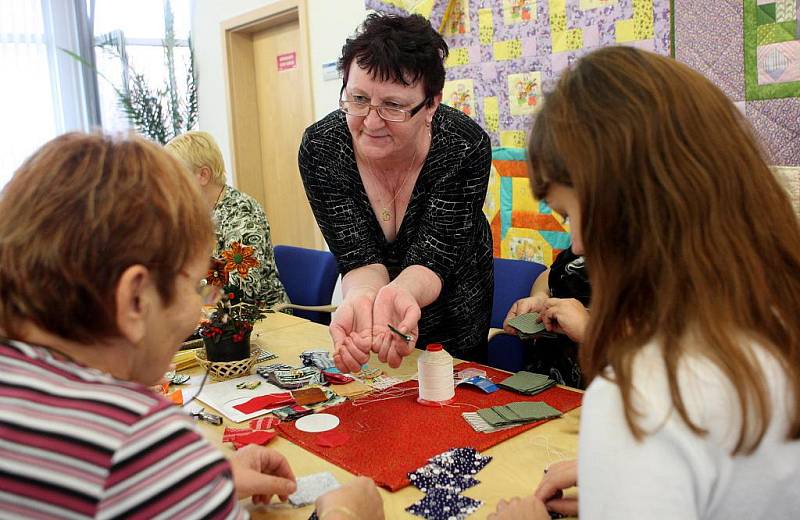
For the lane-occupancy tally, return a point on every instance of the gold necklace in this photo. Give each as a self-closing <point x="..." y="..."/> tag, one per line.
<point x="385" y="213"/>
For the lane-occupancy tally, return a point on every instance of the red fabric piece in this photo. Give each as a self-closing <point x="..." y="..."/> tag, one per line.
<point x="336" y="378"/>
<point x="231" y="434"/>
<point x="332" y="438"/>
<point x="266" y="422"/>
<point x="259" y="437"/>
<point x="265" y="401"/>
<point x="394" y="437"/>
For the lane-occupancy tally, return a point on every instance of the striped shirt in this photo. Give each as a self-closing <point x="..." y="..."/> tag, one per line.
<point x="77" y="443"/>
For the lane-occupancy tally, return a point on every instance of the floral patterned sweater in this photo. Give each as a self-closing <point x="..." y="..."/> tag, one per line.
<point x="245" y="261"/>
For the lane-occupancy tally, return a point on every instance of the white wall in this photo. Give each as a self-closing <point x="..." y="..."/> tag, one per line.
<point x="329" y="23"/>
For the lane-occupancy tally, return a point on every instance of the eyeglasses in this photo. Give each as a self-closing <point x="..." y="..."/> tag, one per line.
<point x="387" y="113"/>
<point x="210" y="293"/>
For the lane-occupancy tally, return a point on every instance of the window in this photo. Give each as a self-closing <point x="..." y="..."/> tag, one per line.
<point x="46" y="92"/>
<point x="142" y="27"/>
<point x="42" y="88"/>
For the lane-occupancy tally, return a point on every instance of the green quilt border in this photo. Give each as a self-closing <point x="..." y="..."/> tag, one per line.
<point x="672" y="28"/>
<point x="753" y="91"/>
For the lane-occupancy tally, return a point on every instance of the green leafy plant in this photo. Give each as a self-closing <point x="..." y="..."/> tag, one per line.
<point x="157" y="113"/>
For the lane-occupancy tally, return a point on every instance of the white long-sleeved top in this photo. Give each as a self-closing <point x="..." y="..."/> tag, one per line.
<point x="673" y="473"/>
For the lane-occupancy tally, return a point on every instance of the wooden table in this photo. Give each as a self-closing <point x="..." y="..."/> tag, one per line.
<point x="516" y="469"/>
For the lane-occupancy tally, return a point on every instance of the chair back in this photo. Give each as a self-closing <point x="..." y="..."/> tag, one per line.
<point x="513" y="280"/>
<point x="309" y="277"/>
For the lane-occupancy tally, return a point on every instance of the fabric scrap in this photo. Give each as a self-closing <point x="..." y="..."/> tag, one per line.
<point x="266" y="422"/>
<point x="258" y="437"/>
<point x="439" y="504"/>
<point x="264" y="401"/>
<point x="311" y="487"/>
<point x="306" y="396"/>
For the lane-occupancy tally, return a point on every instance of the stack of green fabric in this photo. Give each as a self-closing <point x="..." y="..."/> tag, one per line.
<point x="527" y="382"/>
<point x="517" y="413"/>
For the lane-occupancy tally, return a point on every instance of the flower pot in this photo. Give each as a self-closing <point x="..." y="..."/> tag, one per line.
<point x="224" y="348"/>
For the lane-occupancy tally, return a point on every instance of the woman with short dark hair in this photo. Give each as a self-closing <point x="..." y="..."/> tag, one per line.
<point x="397" y="183"/>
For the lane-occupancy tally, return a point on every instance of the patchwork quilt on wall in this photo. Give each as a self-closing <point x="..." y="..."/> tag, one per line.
<point x="523" y="228"/>
<point x="751" y="50"/>
<point x="503" y="53"/>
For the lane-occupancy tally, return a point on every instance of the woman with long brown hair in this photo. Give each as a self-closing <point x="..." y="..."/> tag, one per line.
<point x="693" y="345"/>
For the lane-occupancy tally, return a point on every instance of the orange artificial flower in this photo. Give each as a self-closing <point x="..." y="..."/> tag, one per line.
<point x="239" y="258"/>
<point x="217" y="274"/>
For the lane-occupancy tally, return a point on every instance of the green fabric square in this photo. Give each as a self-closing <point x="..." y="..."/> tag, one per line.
<point x="533" y="411"/>
<point x="523" y="380"/>
<point x="528" y="324"/>
<point x="765" y="14"/>
<point x="492" y="417"/>
<point x="527" y="382"/>
<point x="777" y="32"/>
<point x="508" y="414"/>
<point x="785" y="10"/>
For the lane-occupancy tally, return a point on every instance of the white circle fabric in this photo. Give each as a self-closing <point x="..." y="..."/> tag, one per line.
<point x="317" y="422"/>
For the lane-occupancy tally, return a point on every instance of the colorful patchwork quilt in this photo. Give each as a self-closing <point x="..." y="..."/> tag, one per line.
<point x="523" y="228"/>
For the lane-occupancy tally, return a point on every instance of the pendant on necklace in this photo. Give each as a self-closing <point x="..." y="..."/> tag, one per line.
<point x="385" y="215"/>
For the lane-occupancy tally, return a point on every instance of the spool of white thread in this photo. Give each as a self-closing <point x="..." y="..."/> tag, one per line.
<point x="435" y="374"/>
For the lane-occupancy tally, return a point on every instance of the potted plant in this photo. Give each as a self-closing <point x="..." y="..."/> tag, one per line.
<point x="226" y="333"/>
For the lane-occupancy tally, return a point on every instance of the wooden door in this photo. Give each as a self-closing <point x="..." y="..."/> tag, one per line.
<point x="271" y="105"/>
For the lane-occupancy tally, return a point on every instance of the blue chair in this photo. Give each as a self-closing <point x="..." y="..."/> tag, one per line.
<point x="309" y="277"/>
<point x="513" y="280"/>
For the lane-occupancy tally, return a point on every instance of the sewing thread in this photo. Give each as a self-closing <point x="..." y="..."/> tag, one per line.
<point x="435" y="374"/>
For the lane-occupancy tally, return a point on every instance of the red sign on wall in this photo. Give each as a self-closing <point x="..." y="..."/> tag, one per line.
<point x="287" y="61"/>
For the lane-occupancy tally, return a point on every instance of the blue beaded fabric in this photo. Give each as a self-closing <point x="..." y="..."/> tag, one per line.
<point x="443" y="480"/>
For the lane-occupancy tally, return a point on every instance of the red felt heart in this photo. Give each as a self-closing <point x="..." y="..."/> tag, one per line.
<point x="332" y="438"/>
<point x="257" y="437"/>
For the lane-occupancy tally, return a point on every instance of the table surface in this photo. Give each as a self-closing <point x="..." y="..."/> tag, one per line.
<point x="515" y="470"/>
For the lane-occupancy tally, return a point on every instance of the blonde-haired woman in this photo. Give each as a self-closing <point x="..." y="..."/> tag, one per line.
<point x="693" y="345"/>
<point x="245" y="259"/>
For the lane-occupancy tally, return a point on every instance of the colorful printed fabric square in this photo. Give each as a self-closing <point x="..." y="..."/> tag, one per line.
<point x="778" y="62"/>
<point x="524" y="92"/>
<point x="518" y="11"/>
<point x="523" y="228"/>
<point x="457" y="20"/>
<point x="771" y="49"/>
<point x="459" y="94"/>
